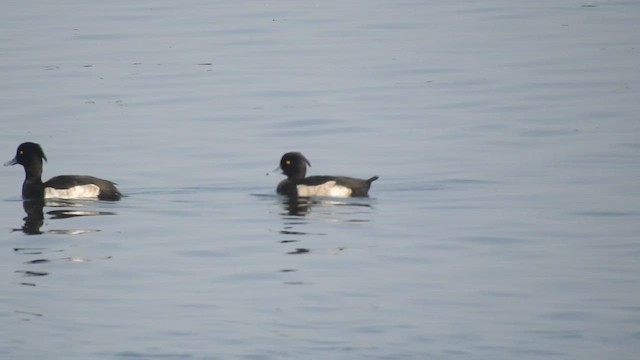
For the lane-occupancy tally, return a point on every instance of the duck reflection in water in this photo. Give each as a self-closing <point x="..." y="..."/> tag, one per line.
<point x="296" y="206"/>
<point x="302" y="206"/>
<point x="34" y="220"/>
<point x="35" y="216"/>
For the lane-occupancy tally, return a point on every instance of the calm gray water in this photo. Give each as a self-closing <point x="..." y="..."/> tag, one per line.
<point x="504" y="225"/>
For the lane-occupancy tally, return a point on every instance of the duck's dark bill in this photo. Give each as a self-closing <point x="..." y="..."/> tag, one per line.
<point x="11" y="162"/>
<point x="277" y="170"/>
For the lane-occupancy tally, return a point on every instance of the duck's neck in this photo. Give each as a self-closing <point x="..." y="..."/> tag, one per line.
<point x="33" y="171"/>
<point x="299" y="174"/>
<point x="32" y="187"/>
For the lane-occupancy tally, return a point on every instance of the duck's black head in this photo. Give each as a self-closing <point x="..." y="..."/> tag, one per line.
<point x="27" y="152"/>
<point x="294" y="165"/>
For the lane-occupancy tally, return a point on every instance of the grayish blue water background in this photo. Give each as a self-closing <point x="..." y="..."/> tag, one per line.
<point x="504" y="225"/>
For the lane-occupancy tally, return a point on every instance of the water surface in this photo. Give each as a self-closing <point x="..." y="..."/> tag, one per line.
<point x="504" y="224"/>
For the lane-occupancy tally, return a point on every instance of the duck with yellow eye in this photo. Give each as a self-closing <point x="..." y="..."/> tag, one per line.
<point x="294" y="166"/>
<point x="30" y="156"/>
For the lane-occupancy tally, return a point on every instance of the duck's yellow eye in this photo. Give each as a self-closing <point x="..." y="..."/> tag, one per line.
<point x="21" y="152"/>
<point x="288" y="162"/>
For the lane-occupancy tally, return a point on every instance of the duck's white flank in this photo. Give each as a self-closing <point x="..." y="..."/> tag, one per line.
<point x="76" y="192"/>
<point x="327" y="189"/>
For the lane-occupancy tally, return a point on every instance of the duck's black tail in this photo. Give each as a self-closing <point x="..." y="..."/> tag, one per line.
<point x="372" y="179"/>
